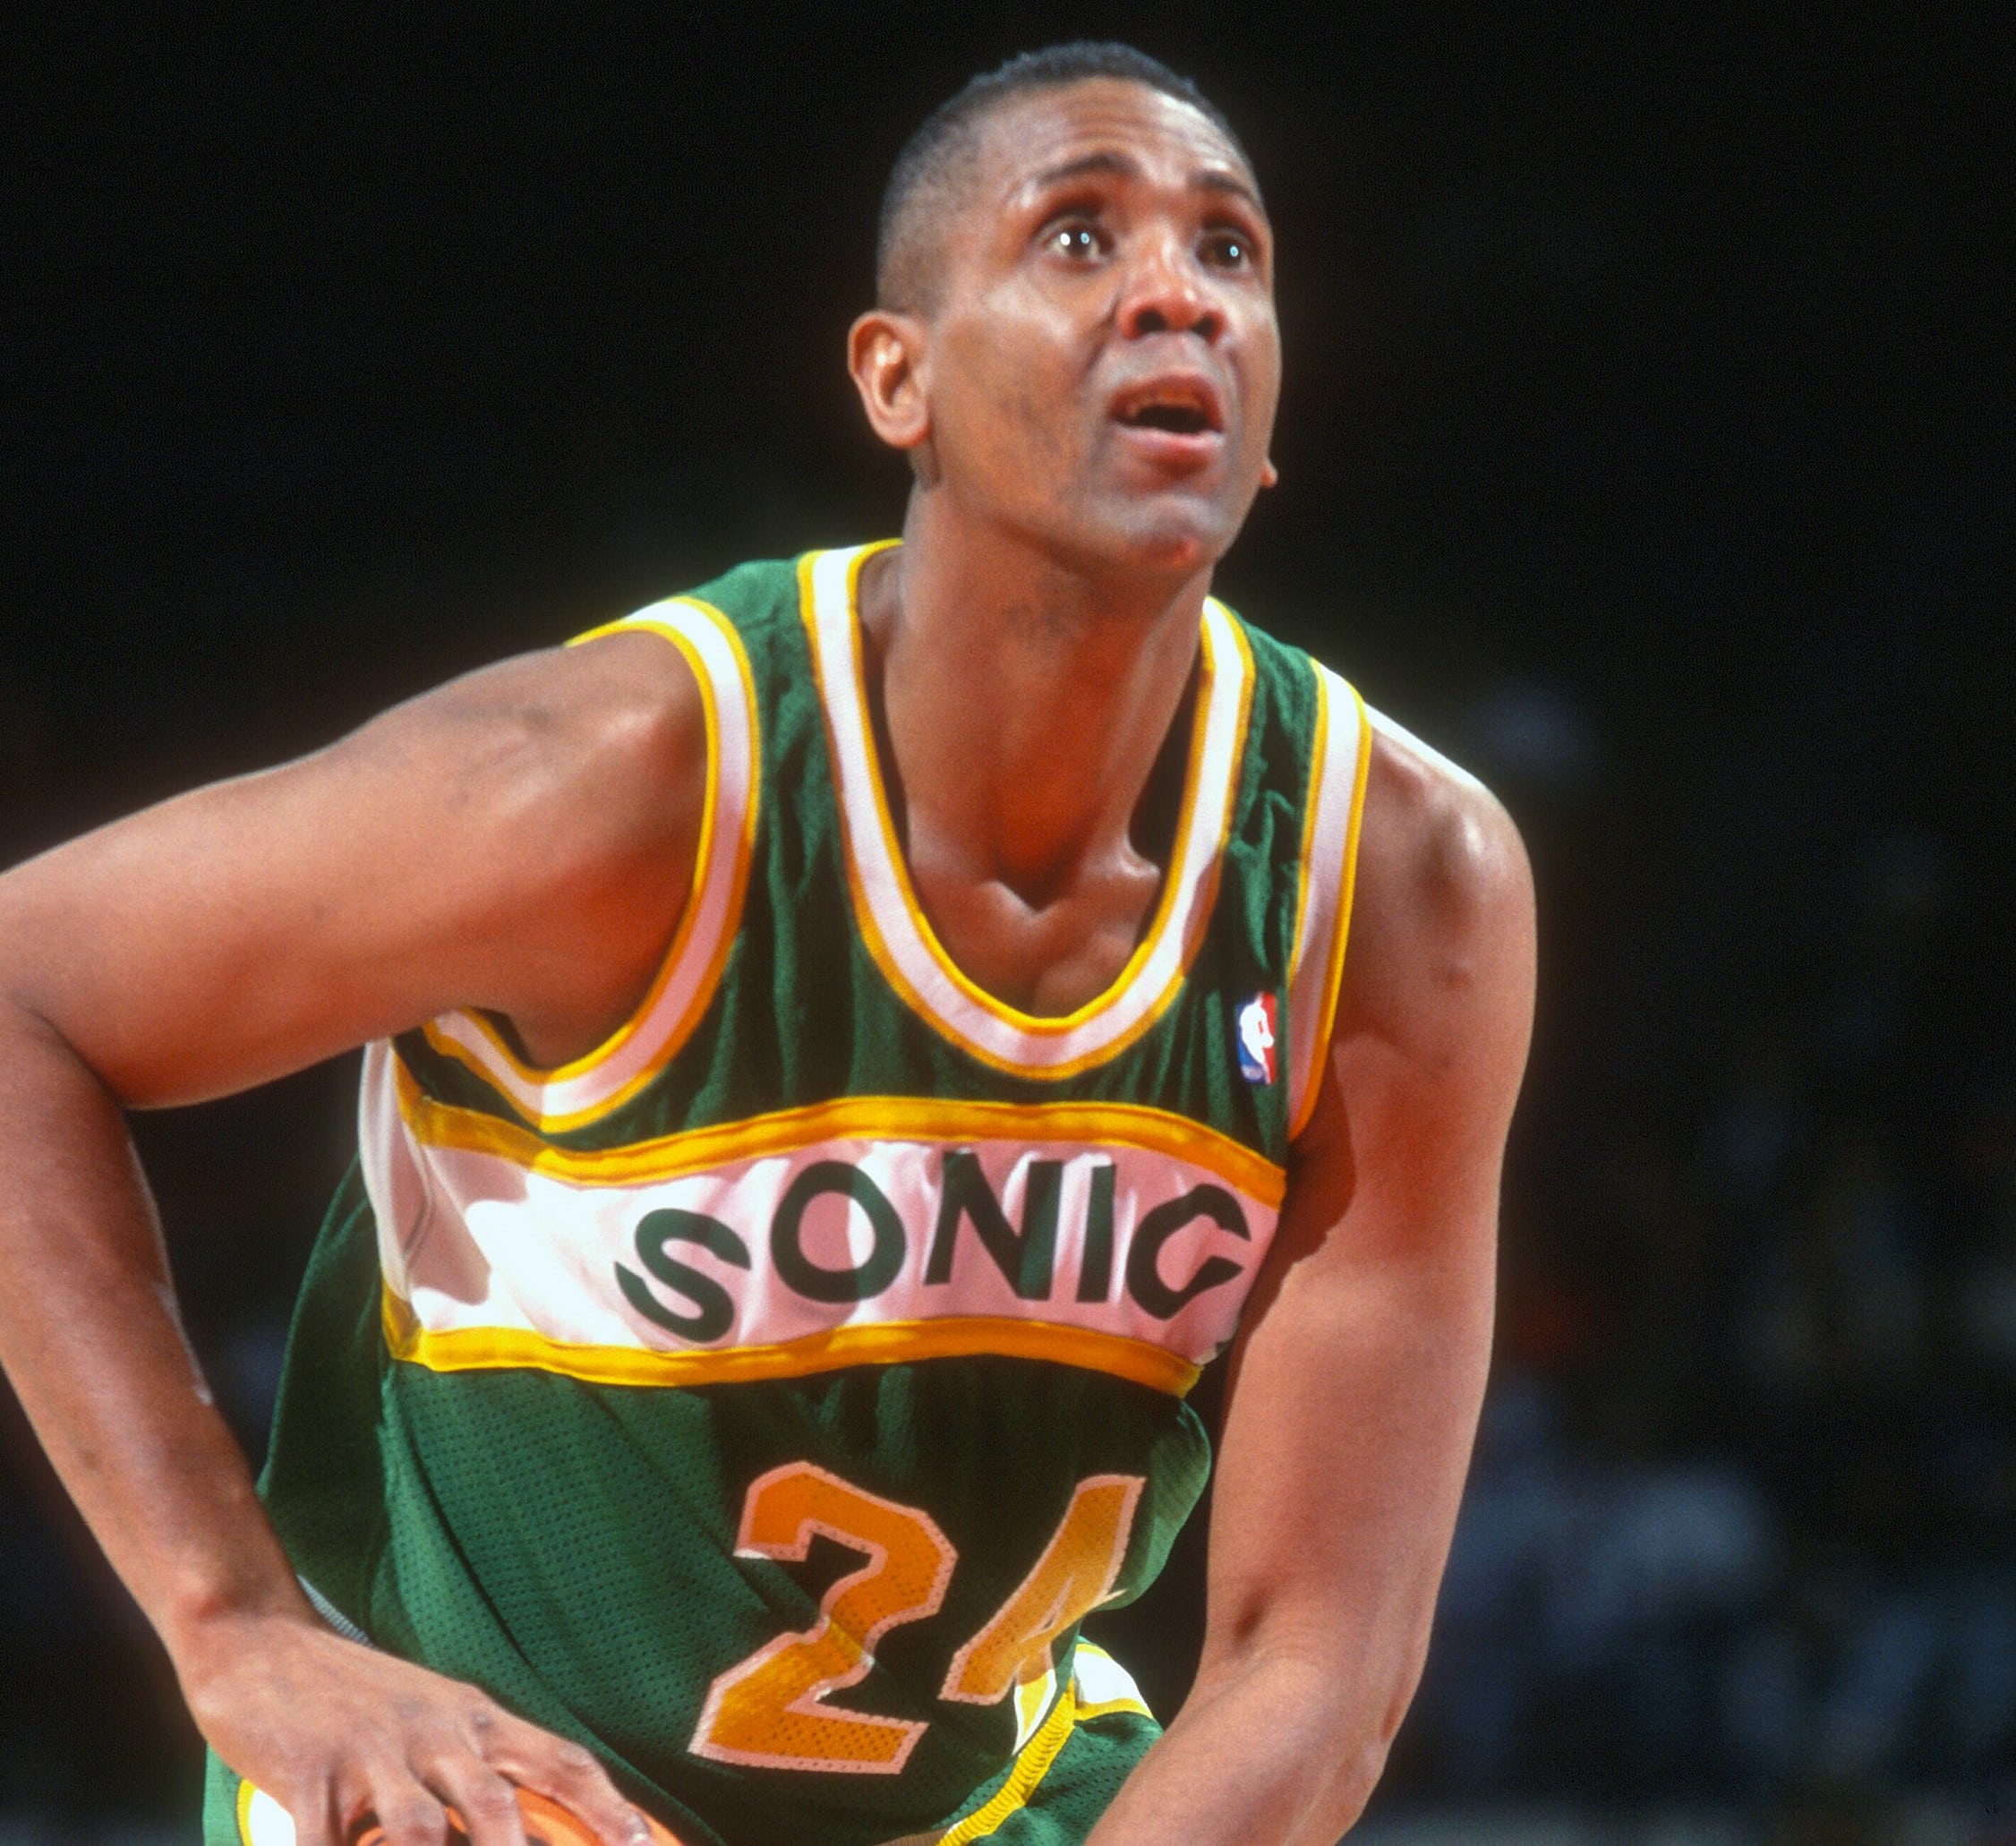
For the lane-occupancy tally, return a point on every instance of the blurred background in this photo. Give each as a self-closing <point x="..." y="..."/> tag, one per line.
<point x="1647" y="445"/>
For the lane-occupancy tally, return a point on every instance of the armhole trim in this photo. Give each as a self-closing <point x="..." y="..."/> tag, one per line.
<point x="1335" y="808"/>
<point x="572" y="1095"/>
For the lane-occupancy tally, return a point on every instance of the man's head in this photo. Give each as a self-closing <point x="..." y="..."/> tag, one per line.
<point x="937" y="162"/>
<point x="1075" y="335"/>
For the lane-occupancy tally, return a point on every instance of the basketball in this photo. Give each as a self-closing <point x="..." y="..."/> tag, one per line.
<point x="546" y="1823"/>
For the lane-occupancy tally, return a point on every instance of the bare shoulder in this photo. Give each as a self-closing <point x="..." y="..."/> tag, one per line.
<point x="1443" y="909"/>
<point x="604" y="743"/>
<point x="560" y="789"/>
<point x="520" y="840"/>
<point x="1435" y="1012"/>
<point x="568" y="792"/>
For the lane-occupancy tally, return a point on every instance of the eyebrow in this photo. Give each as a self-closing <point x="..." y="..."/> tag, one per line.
<point x="1208" y="179"/>
<point x="1214" y="180"/>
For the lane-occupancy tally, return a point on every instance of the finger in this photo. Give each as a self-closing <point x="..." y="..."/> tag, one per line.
<point x="309" y="1818"/>
<point x="484" y="1802"/>
<point x="547" y="1823"/>
<point x="408" y="1814"/>
<point x="566" y="1773"/>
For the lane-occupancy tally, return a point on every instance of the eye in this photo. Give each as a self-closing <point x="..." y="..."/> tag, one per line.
<point x="1228" y="249"/>
<point x="1076" y="241"/>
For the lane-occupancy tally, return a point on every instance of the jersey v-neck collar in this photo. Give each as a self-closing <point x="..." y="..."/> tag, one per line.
<point x="891" y="921"/>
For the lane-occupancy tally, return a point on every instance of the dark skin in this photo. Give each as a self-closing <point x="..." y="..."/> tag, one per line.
<point x="1087" y="400"/>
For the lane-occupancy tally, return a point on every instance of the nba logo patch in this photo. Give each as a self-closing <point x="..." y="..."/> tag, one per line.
<point x="1256" y="1040"/>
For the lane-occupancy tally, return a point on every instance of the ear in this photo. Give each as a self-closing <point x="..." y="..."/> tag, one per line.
<point x="1271" y="476"/>
<point x="885" y="353"/>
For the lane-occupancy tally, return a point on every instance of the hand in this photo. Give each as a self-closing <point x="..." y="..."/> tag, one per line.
<point x="338" y="1734"/>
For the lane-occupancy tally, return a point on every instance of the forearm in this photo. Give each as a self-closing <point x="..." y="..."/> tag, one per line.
<point x="1269" y="1750"/>
<point x="89" y="1334"/>
<point x="91" y="1339"/>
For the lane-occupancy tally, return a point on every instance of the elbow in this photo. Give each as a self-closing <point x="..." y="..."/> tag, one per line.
<point x="1334" y="1750"/>
<point x="1363" y="1732"/>
<point x="24" y="1013"/>
<point x="36" y="1055"/>
<point x="32" y="1038"/>
<point x="1357" y="1731"/>
<point x="23" y="1023"/>
<point x="1352" y="1771"/>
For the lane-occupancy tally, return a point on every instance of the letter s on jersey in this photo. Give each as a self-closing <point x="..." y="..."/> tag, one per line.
<point x="713" y="1308"/>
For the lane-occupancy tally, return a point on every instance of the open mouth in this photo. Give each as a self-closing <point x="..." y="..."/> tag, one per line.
<point x="1182" y="405"/>
<point x="1178" y="419"/>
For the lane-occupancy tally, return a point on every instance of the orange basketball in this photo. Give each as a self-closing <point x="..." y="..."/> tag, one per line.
<point x="546" y="1823"/>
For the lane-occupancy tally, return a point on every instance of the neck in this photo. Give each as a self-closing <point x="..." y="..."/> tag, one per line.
<point x="1023" y="703"/>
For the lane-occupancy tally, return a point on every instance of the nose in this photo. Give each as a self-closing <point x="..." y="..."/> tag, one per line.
<point x="1164" y="291"/>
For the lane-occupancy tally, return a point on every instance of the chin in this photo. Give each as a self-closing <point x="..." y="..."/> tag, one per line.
<point x="1174" y="541"/>
<point x="1168" y="538"/>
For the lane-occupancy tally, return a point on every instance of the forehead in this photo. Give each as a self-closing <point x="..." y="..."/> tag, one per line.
<point x="1038" y="132"/>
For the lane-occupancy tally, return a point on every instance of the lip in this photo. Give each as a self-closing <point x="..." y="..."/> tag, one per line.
<point x="1171" y="450"/>
<point x="1184" y="386"/>
<point x="1176" y="449"/>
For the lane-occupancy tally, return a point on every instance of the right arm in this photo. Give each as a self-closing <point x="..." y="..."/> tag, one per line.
<point x="520" y="841"/>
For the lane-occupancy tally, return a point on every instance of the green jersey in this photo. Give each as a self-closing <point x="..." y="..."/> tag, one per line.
<point x="764" y="1399"/>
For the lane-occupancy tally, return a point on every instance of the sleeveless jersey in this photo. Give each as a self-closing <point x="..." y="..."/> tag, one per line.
<point x="764" y="1398"/>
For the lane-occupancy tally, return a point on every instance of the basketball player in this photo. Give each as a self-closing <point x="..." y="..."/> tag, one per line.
<point x="846" y="1046"/>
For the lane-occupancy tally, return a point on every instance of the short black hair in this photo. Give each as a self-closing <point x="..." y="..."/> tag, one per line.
<point x="930" y="158"/>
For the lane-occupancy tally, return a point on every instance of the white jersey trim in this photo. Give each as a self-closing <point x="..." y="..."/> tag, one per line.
<point x="1329" y="861"/>
<point x="892" y="922"/>
<point x="571" y="1095"/>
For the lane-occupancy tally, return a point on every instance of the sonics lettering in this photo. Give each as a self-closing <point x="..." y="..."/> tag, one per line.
<point x="965" y="1245"/>
<point x="725" y="1242"/>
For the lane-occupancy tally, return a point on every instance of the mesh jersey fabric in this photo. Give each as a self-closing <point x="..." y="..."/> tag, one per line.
<point x="762" y="1399"/>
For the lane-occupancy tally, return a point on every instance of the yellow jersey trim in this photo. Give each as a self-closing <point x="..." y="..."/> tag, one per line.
<point x="893" y="1118"/>
<point x="886" y="1342"/>
<point x="1050" y="1026"/>
<point x="1036" y="1757"/>
<point x="1030" y="1767"/>
<point x="549" y="1077"/>
<point x="1101" y="1708"/>
<point x="1089" y="1712"/>
<point x="1175" y="878"/>
<point x="1333" y="978"/>
<point x="1318" y="750"/>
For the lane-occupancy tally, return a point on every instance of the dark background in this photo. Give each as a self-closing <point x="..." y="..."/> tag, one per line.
<point x="1646" y="445"/>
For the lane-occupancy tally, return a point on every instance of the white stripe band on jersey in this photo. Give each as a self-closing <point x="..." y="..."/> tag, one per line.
<point x="878" y="1235"/>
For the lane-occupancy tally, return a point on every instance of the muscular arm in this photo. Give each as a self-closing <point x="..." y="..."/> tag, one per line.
<point x="1356" y="1382"/>
<point x="519" y="841"/>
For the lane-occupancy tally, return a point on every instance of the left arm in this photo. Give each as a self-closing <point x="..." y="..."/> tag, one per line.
<point x="1356" y="1381"/>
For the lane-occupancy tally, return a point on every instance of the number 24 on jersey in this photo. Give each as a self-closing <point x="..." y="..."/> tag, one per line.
<point x="771" y="1711"/>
